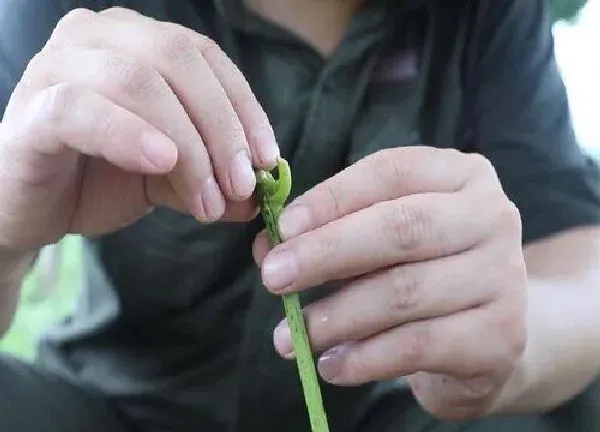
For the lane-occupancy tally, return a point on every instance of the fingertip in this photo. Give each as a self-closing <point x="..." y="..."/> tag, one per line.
<point x="260" y="247"/>
<point x="295" y="220"/>
<point x="331" y="362"/>
<point x="241" y="176"/>
<point x="209" y="205"/>
<point x="280" y="271"/>
<point x="159" y="153"/>
<point x="282" y="340"/>
<point x="267" y="152"/>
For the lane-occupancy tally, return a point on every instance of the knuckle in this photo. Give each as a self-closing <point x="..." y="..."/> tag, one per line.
<point x="209" y="48"/>
<point x="69" y="27"/>
<point x="387" y="166"/>
<point x="176" y="46"/>
<point x="479" y="163"/>
<point x="133" y="78"/>
<point x="415" y="344"/>
<point x="514" y="328"/>
<point x="511" y="214"/>
<point x="519" y="344"/>
<point x="322" y="324"/>
<point x="480" y="167"/>
<point x="120" y="11"/>
<point x="405" y="226"/>
<point x="73" y="20"/>
<point x="451" y="152"/>
<point x="508" y="326"/>
<point x="485" y="172"/>
<point x="516" y="270"/>
<point x="53" y="103"/>
<point x="325" y="248"/>
<point x="334" y="201"/>
<point x="503" y="215"/>
<point x="404" y="287"/>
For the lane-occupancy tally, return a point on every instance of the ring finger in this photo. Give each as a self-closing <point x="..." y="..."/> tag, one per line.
<point x="393" y="297"/>
<point x="444" y="345"/>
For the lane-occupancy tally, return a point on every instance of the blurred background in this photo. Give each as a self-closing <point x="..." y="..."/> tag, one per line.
<point x="50" y="290"/>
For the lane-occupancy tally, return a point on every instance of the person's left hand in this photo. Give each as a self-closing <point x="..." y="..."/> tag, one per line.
<point x="426" y="250"/>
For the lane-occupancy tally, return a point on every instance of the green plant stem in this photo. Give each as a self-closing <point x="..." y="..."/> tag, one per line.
<point x="272" y="195"/>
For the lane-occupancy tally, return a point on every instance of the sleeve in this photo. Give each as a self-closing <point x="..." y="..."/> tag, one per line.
<point x="522" y="119"/>
<point x="25" y="26"/>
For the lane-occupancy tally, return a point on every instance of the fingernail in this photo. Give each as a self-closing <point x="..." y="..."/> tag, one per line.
<point x="159" y="152"/>
<point x="279" y="271"/>
<point x="242" y="176"/>
<point x="294" y="221"/>
<point x="282" y="339"/>
<point x="267" y="148"/>
<point x="330" y="363"/>
<point x="213" y="202"/>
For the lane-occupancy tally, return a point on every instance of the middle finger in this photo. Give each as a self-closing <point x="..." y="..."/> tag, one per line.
<point x="399" y="295"/>
<point x="409" y="229"/>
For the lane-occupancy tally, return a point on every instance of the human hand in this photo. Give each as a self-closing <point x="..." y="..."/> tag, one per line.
<point x="425" y="248"/>
<point x="120" y="113"/>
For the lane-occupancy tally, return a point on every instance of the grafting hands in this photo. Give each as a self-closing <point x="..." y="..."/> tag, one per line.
<point x="426" y="251"/>
<point x="108" y="122"/>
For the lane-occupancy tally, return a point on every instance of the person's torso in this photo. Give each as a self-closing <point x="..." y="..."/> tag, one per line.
<point x="173" y="322"/>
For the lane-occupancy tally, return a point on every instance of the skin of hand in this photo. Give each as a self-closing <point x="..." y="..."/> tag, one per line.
<point x="117" y="114"/>
<point x="426" y="250"/>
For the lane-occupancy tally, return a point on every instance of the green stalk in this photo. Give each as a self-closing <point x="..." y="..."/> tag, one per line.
<point x="272" y="195"/>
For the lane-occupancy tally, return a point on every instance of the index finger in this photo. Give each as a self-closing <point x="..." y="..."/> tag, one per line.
<point x="382" y="176"/>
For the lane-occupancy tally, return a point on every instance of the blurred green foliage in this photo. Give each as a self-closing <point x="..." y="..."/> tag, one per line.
<point x="41" y="305"/>
<point x="566" y="9"/>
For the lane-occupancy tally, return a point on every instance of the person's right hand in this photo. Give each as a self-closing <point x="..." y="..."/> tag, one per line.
<point x="120" y="113"/>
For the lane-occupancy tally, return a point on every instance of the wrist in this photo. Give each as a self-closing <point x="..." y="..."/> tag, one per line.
<point x="560" y="358"/>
